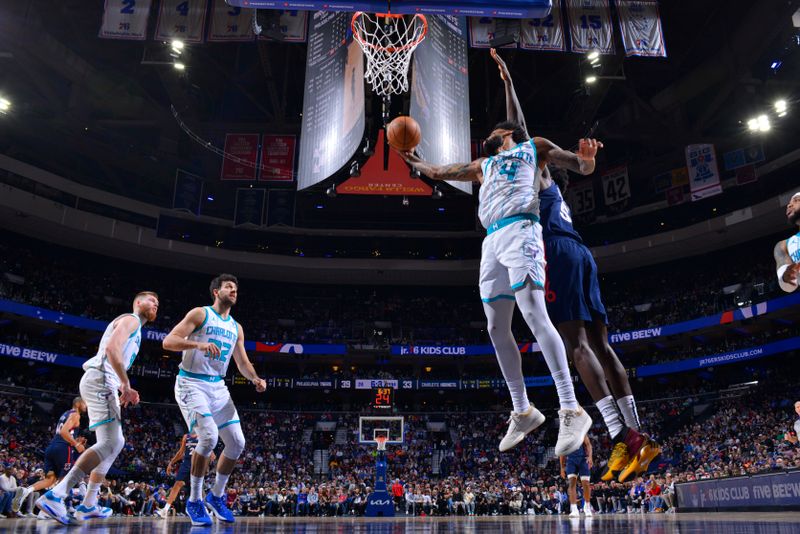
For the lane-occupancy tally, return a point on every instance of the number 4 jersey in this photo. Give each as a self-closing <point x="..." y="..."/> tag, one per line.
<point x="510" y="184"/>
<point x="221" y="332"/>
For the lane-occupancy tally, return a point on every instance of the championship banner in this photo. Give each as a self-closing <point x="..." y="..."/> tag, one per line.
<point x="581" y="198"/>
<point x="662" y="182"/>
<point x="680" y="176"/>
<point x="125" y="19"/>
<point x="483" y="29"/>
<point x="616" y="186"/>
<point x="188" y="192"/>
<point x="244" y="149"/>
<point x="293" y="26"/>
<point x="181" y="19"/>
<point x="590" y="26"/>
<point x="703" y="172"/>
<point x="545" y="34"/>
<point x="277" y="158"/>
<point x="640" y="23"/>
<point x="230" y="24"/>
<point x="674" y="196"/>
<point x="249" y="207"/>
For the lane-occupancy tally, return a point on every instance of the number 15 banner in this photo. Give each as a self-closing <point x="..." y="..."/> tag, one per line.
<point x="125" y="19"/>
<point x="181" y="19"/>
<point x="590" y="26"/>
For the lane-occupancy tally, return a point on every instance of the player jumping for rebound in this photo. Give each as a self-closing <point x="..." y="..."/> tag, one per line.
<point x="182" y="477"/>
<point x="105" y="375"/>
<point x="512" y="271"/>
<point x="209" y="337"/>
<point x="58" y="456"/>
<point x="787" y="251"/>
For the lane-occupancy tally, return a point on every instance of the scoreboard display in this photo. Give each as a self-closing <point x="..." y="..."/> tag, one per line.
<point x="383" y="399"/>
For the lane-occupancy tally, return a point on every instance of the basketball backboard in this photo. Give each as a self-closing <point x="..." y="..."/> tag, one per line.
<point x="514" y="9"/>
<point x="371" y="427"/>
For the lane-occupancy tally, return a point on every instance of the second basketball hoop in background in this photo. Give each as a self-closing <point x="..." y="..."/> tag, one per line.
<point x="403" y="134"/>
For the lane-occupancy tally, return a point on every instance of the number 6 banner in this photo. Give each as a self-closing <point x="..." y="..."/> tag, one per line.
<point x="616" y="186"/>
<point x="125" y="19"/>
<point x="590" y="26"/>
<point x="181" y="19"/>
<point x="544" y="34"/>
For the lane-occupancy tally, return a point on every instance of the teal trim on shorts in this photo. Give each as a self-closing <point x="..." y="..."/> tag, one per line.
<point x="498" y="297"/>
<point x="511" y="219"/>
<point x="223" y="425"/>
<point x="194" y="421"/>
<point x="199" y="376"/>
<point x="196" y="330"/>
<point x="520" y="285"/>
<point x="218" y="315"/>
<point x="104" y="421"/>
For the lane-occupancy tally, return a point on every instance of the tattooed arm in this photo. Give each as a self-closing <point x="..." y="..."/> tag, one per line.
<point x="580" y="162"/>
<point x="457" y="172"/>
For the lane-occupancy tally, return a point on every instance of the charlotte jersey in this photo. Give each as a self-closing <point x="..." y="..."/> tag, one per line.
<point x="510" y="184"/>
<point x="61" y="422"/>
<point x="555" y="215"/>
<point x="221" y="332"/>
<point x="130" y="349"/>
<point x="793" y="246"/>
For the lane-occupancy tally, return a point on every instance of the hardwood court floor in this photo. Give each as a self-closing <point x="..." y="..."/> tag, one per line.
<point x="711" y="523"/>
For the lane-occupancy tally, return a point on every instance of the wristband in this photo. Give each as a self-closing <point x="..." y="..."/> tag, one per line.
<point x="786" y="286"/>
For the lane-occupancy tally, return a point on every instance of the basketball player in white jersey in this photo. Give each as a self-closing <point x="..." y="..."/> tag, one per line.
<point x="787" y="252"/>
<point x="209" y="337"/>
<point x="104" y="388"/>
<point x="512" y="271"/>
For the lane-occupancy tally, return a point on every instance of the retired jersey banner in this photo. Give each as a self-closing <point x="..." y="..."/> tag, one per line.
<point x="277" y="158"/>
<point x="293" y="26"/>
<point x="590" y="26"/>
<point x="181" y="19"/>
<point x="545" y="34"/>
<point x="125" y="19"/>
<point x="230" y="24"/>
<point x="616" y="186"/>
<point x="581" y="198"/>
<point x="241" y="151"/>
<point x="249" y="206"/>
<point x="483" y="29"/>
<point x="640" y="23"/>
<point x="703" y="172"/>
<point x="188" y="192"/>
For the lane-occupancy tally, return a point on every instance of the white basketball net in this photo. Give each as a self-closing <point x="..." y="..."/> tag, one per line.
<point x="388" y="42"/>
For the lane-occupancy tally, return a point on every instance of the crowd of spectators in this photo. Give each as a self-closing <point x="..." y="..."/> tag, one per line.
<point x="450" y="467"/>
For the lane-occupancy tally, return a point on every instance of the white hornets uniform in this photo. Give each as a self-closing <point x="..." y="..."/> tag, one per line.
<point x="509" y="210"/>
<point x="200" y="385"/>
<point x="100" y="384"/>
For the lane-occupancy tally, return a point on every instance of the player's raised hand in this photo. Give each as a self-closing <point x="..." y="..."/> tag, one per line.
<point x="587" y="148"/>
<point x="128" y="396"/>
<point x="260" y="384"/>
<point x="501" y="65"/>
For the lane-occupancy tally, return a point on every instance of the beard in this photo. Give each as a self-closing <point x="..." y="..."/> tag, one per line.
<point x="150" y="314"/>
<point x="492" y="145"/>
<point x="226" y="301"/>
<point x="794" y="217"/>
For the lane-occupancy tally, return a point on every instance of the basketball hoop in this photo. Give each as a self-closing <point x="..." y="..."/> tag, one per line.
<point x="388" y="41"/>
<point x="381" y="441"/>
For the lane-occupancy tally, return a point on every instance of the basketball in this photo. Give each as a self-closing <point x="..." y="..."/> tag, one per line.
<point x="403" y="133"/>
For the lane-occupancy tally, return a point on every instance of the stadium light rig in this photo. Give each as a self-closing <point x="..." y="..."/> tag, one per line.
<point x="759" y="124"/>
<point x="5" y="105"/>
<point x="781" y="107"/>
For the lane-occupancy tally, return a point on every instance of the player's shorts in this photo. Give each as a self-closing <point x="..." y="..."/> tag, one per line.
<point x="100" y="395"/>
<point x="578" y="468"/>
<point x="512" y="253"/>
<point x="573" y="292"/>
<point x="202" y="398"/>
<point x="58" y="459"/>
<point x="185" y="470"/>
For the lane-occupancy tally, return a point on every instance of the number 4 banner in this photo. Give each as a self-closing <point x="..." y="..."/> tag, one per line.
<point x="181" y="19"/>
<point x="590" y="26"/>
<point x="125" y="19"/>
<point x="616" y="186"/>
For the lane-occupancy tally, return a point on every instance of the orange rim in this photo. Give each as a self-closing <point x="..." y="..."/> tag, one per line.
<point x="390" y="49"/>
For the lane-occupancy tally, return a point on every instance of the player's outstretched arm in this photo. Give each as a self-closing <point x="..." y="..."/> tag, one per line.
<point x="581" y="162"/>
<point x="176" y="340"/>
<point x="457" y="172"/>
<point x="245" y="365"/>
<point x="787" y="270"/>
<point x="513" y="107"/>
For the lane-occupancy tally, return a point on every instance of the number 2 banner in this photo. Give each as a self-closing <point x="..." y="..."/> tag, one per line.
<point x="125" y="19"/>
<point x="616" y="186"/>
<point x="590" y="26"/>
<point x="230" y="23"/>
<point x="181" y="19"/>
<point x="544" y="34"/>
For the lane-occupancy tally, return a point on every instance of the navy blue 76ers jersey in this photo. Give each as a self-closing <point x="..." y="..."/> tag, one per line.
<point x="555" y="216"/>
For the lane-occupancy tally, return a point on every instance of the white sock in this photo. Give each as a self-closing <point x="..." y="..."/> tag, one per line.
<point x="71" y="480"/>
<point x="610" y="415"/>
<point x="627" y="405"/>
<point x="167" y="507"/>
<point x="498" y="315"/>
<point x="519" y="395"/>
<point x="92" y="489"/>
<point x="195" y="488"/>
<point x="219" y="484"/>
<point x="531" y="304"/>
<point x="573" y="507"/>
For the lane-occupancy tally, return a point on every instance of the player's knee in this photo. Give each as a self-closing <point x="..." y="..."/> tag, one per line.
<point x="207" y="436"/>
<point x="234" y="441"/>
